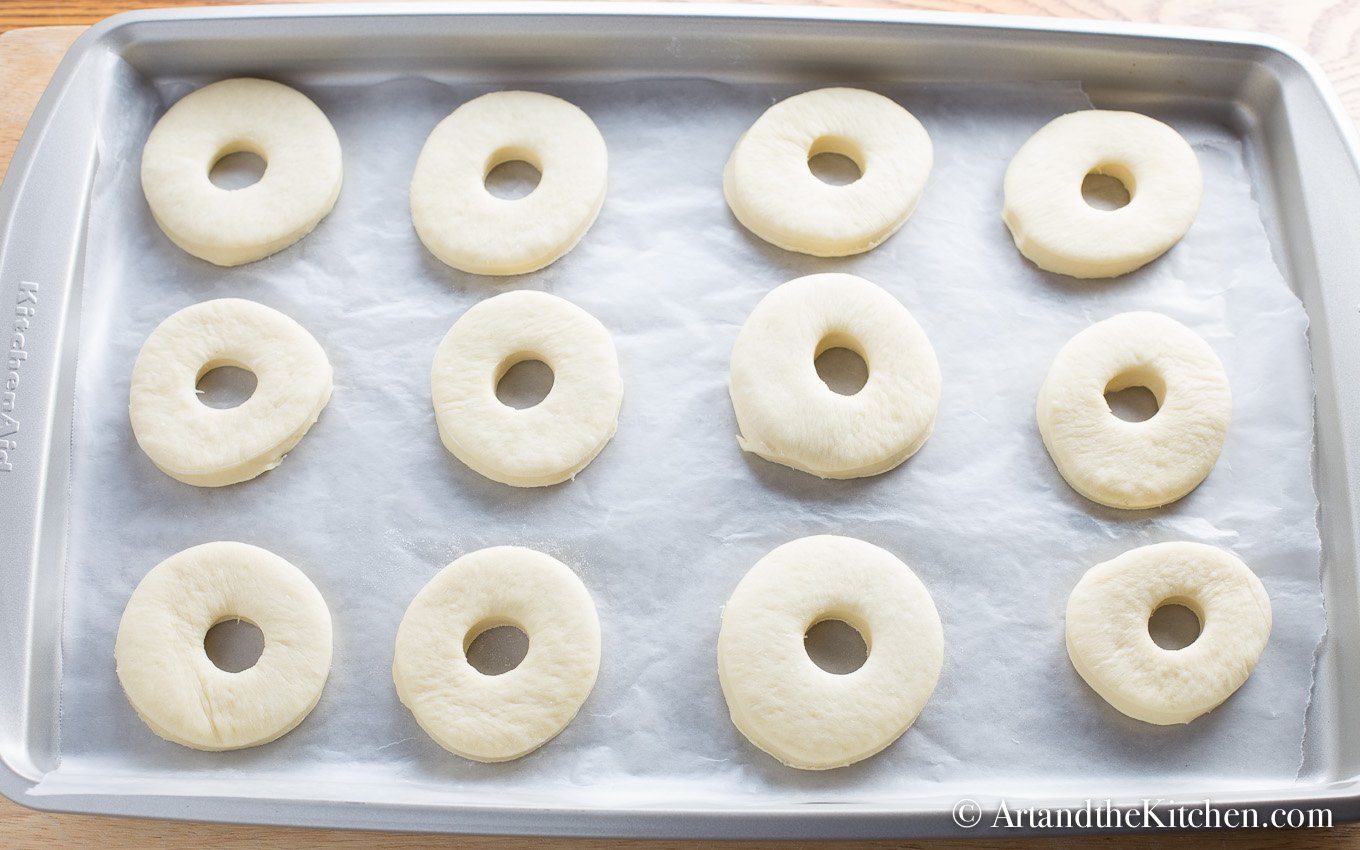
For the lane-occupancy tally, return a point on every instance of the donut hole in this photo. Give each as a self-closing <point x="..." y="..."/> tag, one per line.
<point x="237" y="169"/>
<point x="836" y="161"/>
<point x="1132" y="404"/>
<point x="1107" y="187"/>
<point x="524" y="382"/>
<point x="834" y="169"/>
<point x="225" y="385"/>
<point x="840" y="364"/>
<point x="1175" y="624"/>
<point x="1135" y="396"/>
<point x="511" y="175"/>
<point x="835" y="646"/>
<point x="496" y="648"/>
<point x="233" y="644"/>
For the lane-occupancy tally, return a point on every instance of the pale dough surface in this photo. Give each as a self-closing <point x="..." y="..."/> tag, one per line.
<point x="771" y="190"/>
<point x="167" y="675"/>
<point x="1110" y="646"/>
<point x="553" y="440"/>
<point x="780" y="699"/>
<point x="1058" y="231"/>
<point x="1135" y="464"/>
<point x="228" y="227"/>
<point x="212" y="447"/>
<point x="498" y="718"/>
<point x="787" y="414"/>
<point x="466" y="226"/>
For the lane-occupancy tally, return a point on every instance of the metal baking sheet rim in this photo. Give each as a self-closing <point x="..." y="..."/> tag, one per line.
<point x="42" y="284"/>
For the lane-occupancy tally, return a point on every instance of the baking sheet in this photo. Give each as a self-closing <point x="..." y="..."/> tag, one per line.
<point x="670" y="516"/>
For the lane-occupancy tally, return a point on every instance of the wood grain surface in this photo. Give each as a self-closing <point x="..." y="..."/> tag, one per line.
<point x="1329" y="29"/>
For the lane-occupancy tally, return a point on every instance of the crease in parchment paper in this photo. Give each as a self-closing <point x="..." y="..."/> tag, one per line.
<point x="663" y="524"/>
<point x="1318" y="654"/>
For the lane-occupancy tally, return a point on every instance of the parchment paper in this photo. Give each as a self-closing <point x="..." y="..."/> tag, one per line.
<point x="666" y="521"/>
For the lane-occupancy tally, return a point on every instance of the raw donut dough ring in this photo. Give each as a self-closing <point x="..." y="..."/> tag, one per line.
<point x="1109" y="643"/>
<point x="786" y="413"/>
<point x="1135" y="465"/>
<point x="1058" y="231"/>
<point x="167" y="675"/>
<point x="210" y="447"/>
<point x="556" y="438"/>
<point x="467" y="227"/>
<point x="780" y="699"/>
<point x="229" y="227"/>
<point x="498" y="718"/>
<point x="774" y="194"/>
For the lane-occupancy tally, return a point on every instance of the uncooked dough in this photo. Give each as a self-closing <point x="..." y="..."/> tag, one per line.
<point x="772" y="191"/>
<point x="167" y="675"/>
<point x="780" y="699"/>
<point x="1056" y="228"/>
<point x="233" y="226"/>
<point x="211" y="447"/>
<point x="498" y="718"/>
<point x="788" y="415"/>
<point x="1109" y="643"/>
<point x="470" y="229"/>
<point x="556" y="438"/>
<point x="1135" y="464"/>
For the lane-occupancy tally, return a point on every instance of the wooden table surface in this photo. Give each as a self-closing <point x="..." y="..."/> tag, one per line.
<point x="1329" y="29"/>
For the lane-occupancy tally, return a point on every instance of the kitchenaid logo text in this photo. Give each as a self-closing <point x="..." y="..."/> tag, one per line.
<point x="25" y="306"/>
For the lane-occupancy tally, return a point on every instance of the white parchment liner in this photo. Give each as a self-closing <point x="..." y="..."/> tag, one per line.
<point x="666" y="521"/>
